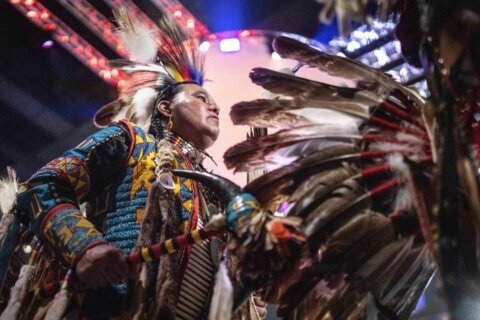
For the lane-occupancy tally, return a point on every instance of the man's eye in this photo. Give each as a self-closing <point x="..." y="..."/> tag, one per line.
<point x="202" y="98"/>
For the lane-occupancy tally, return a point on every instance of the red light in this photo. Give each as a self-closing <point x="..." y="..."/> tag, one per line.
<point x="212" y="37"/>
<point x="50" y="27"/>
<point x="190" y="24"/>
<point x="14" y="1"/>
<point x="121" y="84"/>
<point x="101" y="73"/>
<point x="107" y="75"/>
<point x="102" y="63"/>
<point x="245" y="33"/>
<point x="63" y="38"/>
<point x="31" y="14"/>
<point x="114" y="73"/>
<point x="29" y="2"/>
<point x="177" y="14"/>
<point x="44" y="15"/>
<point x="93" y="62"/>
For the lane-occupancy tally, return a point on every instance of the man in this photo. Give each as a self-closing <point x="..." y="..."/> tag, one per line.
<point x="119" y="172"/>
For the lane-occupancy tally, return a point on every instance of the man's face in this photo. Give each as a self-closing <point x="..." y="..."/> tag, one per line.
<point x="195" y="116"/>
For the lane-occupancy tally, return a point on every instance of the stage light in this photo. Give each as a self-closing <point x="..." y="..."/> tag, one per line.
<point x="47" y="44"/>
<point x="107" y="75"/>
<point x="177" y="14"/>
<point x="14" y="1"/>
<point x="190" y="24"/>
<point x="230" y="45"/>
<point x="114" y="73"/>
<point x="50" y="27"/>
<point x="63" y="38"/>
<point x="245" y="33"/>
<point x="121" y="84"/>
<point x="31" y="14"/>
<point x="44" y="15"/>
<point x="93" y="62"/>
<point x="204" y="46"/>
<point x="276" y="56"/>
<point x="353" y="45"/>
<point x="29" y="2"/>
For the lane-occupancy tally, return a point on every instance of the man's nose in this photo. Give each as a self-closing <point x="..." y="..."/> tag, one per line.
<point x="214" y="108"/>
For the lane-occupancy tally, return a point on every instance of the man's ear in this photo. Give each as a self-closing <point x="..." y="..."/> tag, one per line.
<point x="164" y="108"/>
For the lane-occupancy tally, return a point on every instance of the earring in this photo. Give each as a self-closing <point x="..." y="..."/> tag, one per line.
<point x="170" y="124"/>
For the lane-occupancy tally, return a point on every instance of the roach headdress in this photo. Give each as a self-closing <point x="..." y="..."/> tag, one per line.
<point x="156" y="62"/>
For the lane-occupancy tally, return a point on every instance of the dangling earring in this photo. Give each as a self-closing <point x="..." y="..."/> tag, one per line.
<point x="170" y="124"/>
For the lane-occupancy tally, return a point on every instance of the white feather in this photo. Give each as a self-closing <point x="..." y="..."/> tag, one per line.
<point x="17" y="293"/>
<point x="144" y="67"/>
<point x="5" y="223"/>
<point x="404" y="197"/>
<point x="8" y="190"/>
<point x="59" y="305"/>
<point x="397" y="165"/>
<point x="142" y="107"/>
<point x="139" y="42"/>
<point x="410" y="138"/>
<point x="222" y="299"/>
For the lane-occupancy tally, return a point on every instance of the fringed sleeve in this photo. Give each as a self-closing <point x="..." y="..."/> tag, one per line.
<point x="49" y="199"/>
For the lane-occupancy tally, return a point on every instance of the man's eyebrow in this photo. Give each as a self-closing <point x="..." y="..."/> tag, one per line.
<point x="200" y="91"/>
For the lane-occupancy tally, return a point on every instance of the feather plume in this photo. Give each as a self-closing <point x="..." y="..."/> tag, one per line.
<point x="8" y="190"/>
<point x="350" y="246"/>
<point x="179" y="51"/>
<point x="276" y="181"/>
<point x="222" y="300"/>
<point x="139" y="41"/>
<point x="141" y="108"/>
<point x="382" y="84"/>
<point x="17" y="293"/>
<point x="290" y="85"/>
<point x="295" y="112"/>
<point x="59" y="305"/>
<point x="313" y="190"/>
<point x="256" y="152"/>
<point x="404" y="197"/>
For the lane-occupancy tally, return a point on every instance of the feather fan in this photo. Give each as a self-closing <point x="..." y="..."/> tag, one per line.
<point x="290" y="85"/>
<point x="381" y="83"/>
<point x="254" y="152"/>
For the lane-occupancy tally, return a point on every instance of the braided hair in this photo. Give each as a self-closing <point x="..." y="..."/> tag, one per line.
<point x="157" y="125"/>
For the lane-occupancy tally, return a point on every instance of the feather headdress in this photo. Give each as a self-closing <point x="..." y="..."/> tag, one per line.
<point x="156" y="61"/>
